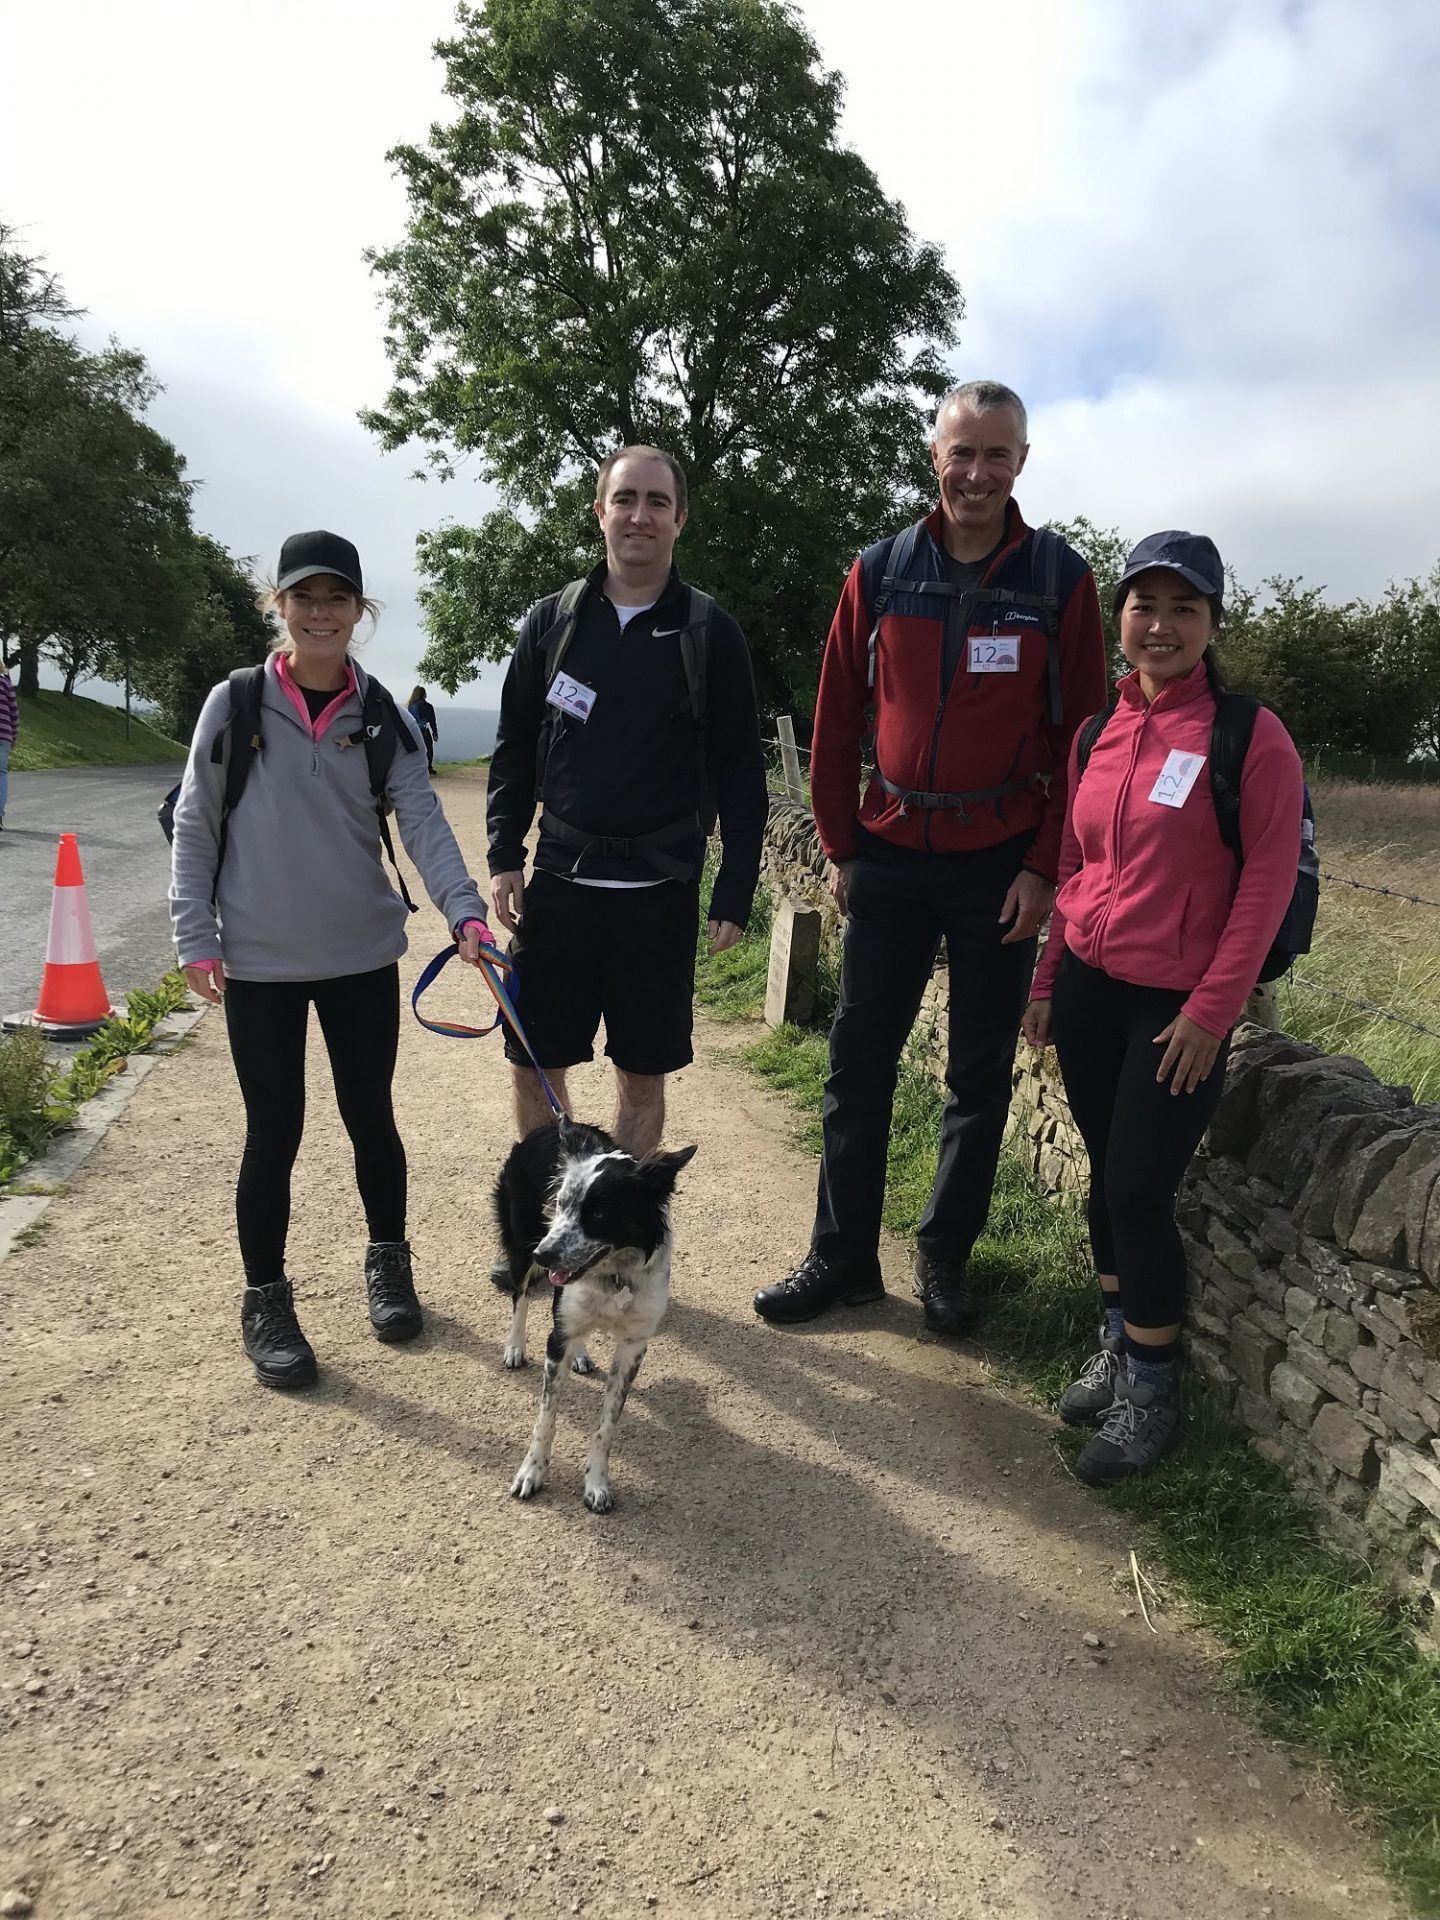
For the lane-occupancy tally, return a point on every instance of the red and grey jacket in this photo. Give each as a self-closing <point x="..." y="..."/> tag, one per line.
<point x="985" y="759"/>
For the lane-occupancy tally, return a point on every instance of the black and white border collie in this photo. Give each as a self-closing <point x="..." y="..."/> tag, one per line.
<point x="585" y="1222"/>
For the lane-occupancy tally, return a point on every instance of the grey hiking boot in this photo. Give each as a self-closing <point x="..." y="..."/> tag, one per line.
<point x="394" y="1308"/>
<point x="1141" y="1425"/>
<point x="282" y="1355"/>
<point x="1092" y="1393"/>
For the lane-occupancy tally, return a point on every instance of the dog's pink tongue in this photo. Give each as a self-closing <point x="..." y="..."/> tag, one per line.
<point x="558" y="1276"/>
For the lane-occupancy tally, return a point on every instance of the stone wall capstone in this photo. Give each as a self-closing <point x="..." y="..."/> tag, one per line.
<point x="1311" y="1225"/>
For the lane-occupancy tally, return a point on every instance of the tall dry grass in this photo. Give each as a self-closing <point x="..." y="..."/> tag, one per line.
<point x="1385" y="952"/>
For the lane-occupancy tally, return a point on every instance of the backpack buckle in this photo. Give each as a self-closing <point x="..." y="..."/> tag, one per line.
<point x="614" y="849"/>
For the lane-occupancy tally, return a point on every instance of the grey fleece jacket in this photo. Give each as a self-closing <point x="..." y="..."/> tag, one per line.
<point x="305" y="893"/>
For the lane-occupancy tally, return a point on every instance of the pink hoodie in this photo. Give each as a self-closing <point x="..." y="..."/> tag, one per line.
<point x="1150" y="893"/>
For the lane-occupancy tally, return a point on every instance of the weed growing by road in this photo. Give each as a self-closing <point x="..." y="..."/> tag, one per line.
<point x="38" y="1099"/>
<point x="30" y="1106"/>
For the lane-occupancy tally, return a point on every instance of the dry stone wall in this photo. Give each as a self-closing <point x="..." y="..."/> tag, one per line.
<point x="1311" y="1222"/>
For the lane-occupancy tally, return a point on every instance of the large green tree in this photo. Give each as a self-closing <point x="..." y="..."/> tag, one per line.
<point x="94" y="503"/>
<point x="221" y="628"/>
<point x="641" y="225"/>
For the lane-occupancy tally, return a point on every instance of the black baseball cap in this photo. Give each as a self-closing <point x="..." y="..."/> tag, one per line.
<point x="1193" y="556"/>
<point x="306" y="554"/>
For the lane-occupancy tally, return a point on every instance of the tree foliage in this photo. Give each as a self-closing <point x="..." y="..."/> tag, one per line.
<point x="1346" y="678"/>
<point x="95" y="561"/>
<point x="221" y="627"/>
<point x="641" y="226"/>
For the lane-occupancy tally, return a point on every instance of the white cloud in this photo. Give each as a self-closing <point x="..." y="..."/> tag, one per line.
<point x="1203" y="239"/>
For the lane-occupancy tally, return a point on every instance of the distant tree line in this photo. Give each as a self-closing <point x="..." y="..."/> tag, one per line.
<point x="101" y="571"/>
<point x="1362" y="677"/>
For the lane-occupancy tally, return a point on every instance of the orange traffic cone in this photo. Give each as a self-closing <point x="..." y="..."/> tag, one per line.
<point x="73" y="1000"/>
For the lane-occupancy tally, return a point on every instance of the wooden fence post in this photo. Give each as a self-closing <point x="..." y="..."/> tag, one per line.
<point x="790" y="759"/>
<point x="794" y="963"/>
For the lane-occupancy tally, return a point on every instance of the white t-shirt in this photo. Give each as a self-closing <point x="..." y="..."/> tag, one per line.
<point x="625" y="615"/>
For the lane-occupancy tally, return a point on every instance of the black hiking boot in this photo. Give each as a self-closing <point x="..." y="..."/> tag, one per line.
<point x="816" y="1285"/>
<point x="394" y="1307"/>
<point x="944" y="1292"/>
<point x="282" y="1355"/>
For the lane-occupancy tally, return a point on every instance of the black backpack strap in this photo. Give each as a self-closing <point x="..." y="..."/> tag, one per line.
<point x="247" y="692"/>
<point x="381" y="731"/>
<point x="695" y="654"/>
<point x="554" y="645"/>
<point x="1230" y="736"/>
<point x="1045" y="543"/>
<point x="898" y="563"/>
<point x="1085" y="739"/>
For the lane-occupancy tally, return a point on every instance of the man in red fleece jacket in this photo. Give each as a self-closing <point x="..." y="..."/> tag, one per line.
<point x="978" y="643"/>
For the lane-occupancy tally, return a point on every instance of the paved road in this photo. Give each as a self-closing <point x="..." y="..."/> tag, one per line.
<point x="111" y="811"/>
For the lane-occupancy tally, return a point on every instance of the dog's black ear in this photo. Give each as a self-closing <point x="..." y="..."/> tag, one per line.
<point x="660" y="1169"/>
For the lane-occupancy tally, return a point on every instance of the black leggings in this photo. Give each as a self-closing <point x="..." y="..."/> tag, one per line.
<point x="266" y="1020"/>
<point x="1140" y="1137"/>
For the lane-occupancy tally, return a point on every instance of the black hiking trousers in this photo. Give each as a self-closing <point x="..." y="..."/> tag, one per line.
<point x="901" y="905"/>
<point x="1140" y="1137"/>
<point x="266" y="1020"/>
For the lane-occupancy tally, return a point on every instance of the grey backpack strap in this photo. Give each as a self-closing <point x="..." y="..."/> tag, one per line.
<point x="561" y="631"/>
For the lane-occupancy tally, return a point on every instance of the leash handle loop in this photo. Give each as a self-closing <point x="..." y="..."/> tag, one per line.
<point x="493" y="965"/>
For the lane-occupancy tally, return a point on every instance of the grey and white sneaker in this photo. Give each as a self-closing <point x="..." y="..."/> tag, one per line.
<point x="1090" y="1396"/>
<point x="1142" y="1424"/>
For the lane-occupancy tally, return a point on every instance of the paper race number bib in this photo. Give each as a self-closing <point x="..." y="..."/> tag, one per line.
<point x="995" y="653"/>
<point x="1177" y="777"/>
<point x="571" y="696"/>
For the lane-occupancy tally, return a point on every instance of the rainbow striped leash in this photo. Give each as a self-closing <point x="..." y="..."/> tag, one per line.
<point x="493" y="964"/>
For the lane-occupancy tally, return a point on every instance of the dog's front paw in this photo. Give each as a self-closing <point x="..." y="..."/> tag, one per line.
<point x="513" y="1358"/>
<point x="528" y="1481"/>
<point x="598" y="1497"/>
<point x="582" y="1363"/>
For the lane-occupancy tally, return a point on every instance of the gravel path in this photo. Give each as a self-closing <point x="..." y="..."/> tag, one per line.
<point x="268" y="1655"/>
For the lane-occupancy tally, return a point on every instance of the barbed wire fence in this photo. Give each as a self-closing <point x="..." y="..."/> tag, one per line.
<point x="789" y="779"/>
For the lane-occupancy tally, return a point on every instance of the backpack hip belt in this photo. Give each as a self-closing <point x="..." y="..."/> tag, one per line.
<point x="955" y="802"/>
<point x="634" y="846"/>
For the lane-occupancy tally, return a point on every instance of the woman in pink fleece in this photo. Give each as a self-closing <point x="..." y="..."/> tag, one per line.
<point x="1158" y="936"/>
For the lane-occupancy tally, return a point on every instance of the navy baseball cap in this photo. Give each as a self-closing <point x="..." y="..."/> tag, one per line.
<point x="1192" y="555"/>
<point x="306" y="554"/>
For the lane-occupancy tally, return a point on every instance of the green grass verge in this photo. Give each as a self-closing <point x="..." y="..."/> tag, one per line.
<point x="67" y="730"/>
<point x="38" y="1099"/>
<point x="1323" y="1650"/>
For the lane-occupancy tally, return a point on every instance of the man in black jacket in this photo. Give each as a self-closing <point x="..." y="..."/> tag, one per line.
<point x="629" y="714"/>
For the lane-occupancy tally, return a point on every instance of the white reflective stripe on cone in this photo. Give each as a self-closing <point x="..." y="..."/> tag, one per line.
<point x="72" y="938"/>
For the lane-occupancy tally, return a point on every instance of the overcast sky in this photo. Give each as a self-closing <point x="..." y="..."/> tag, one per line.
<point x="1202" y="238"/>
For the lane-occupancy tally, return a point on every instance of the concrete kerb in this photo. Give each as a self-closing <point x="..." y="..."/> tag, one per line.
<point x="69" y="1151"/>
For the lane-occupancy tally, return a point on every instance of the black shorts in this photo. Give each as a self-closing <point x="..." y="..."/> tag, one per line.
<point x="624" y="955"/>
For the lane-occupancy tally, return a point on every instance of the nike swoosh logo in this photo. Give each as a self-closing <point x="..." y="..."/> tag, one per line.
<point x="664" y="633"/>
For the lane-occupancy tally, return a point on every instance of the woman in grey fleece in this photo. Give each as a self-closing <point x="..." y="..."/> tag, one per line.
<point x="301" y="912"/>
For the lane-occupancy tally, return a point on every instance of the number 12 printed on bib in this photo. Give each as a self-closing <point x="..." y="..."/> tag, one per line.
<point x="1177" y="777"/>
<point x="994" y="653"/>
<point x="571" y="696"/>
